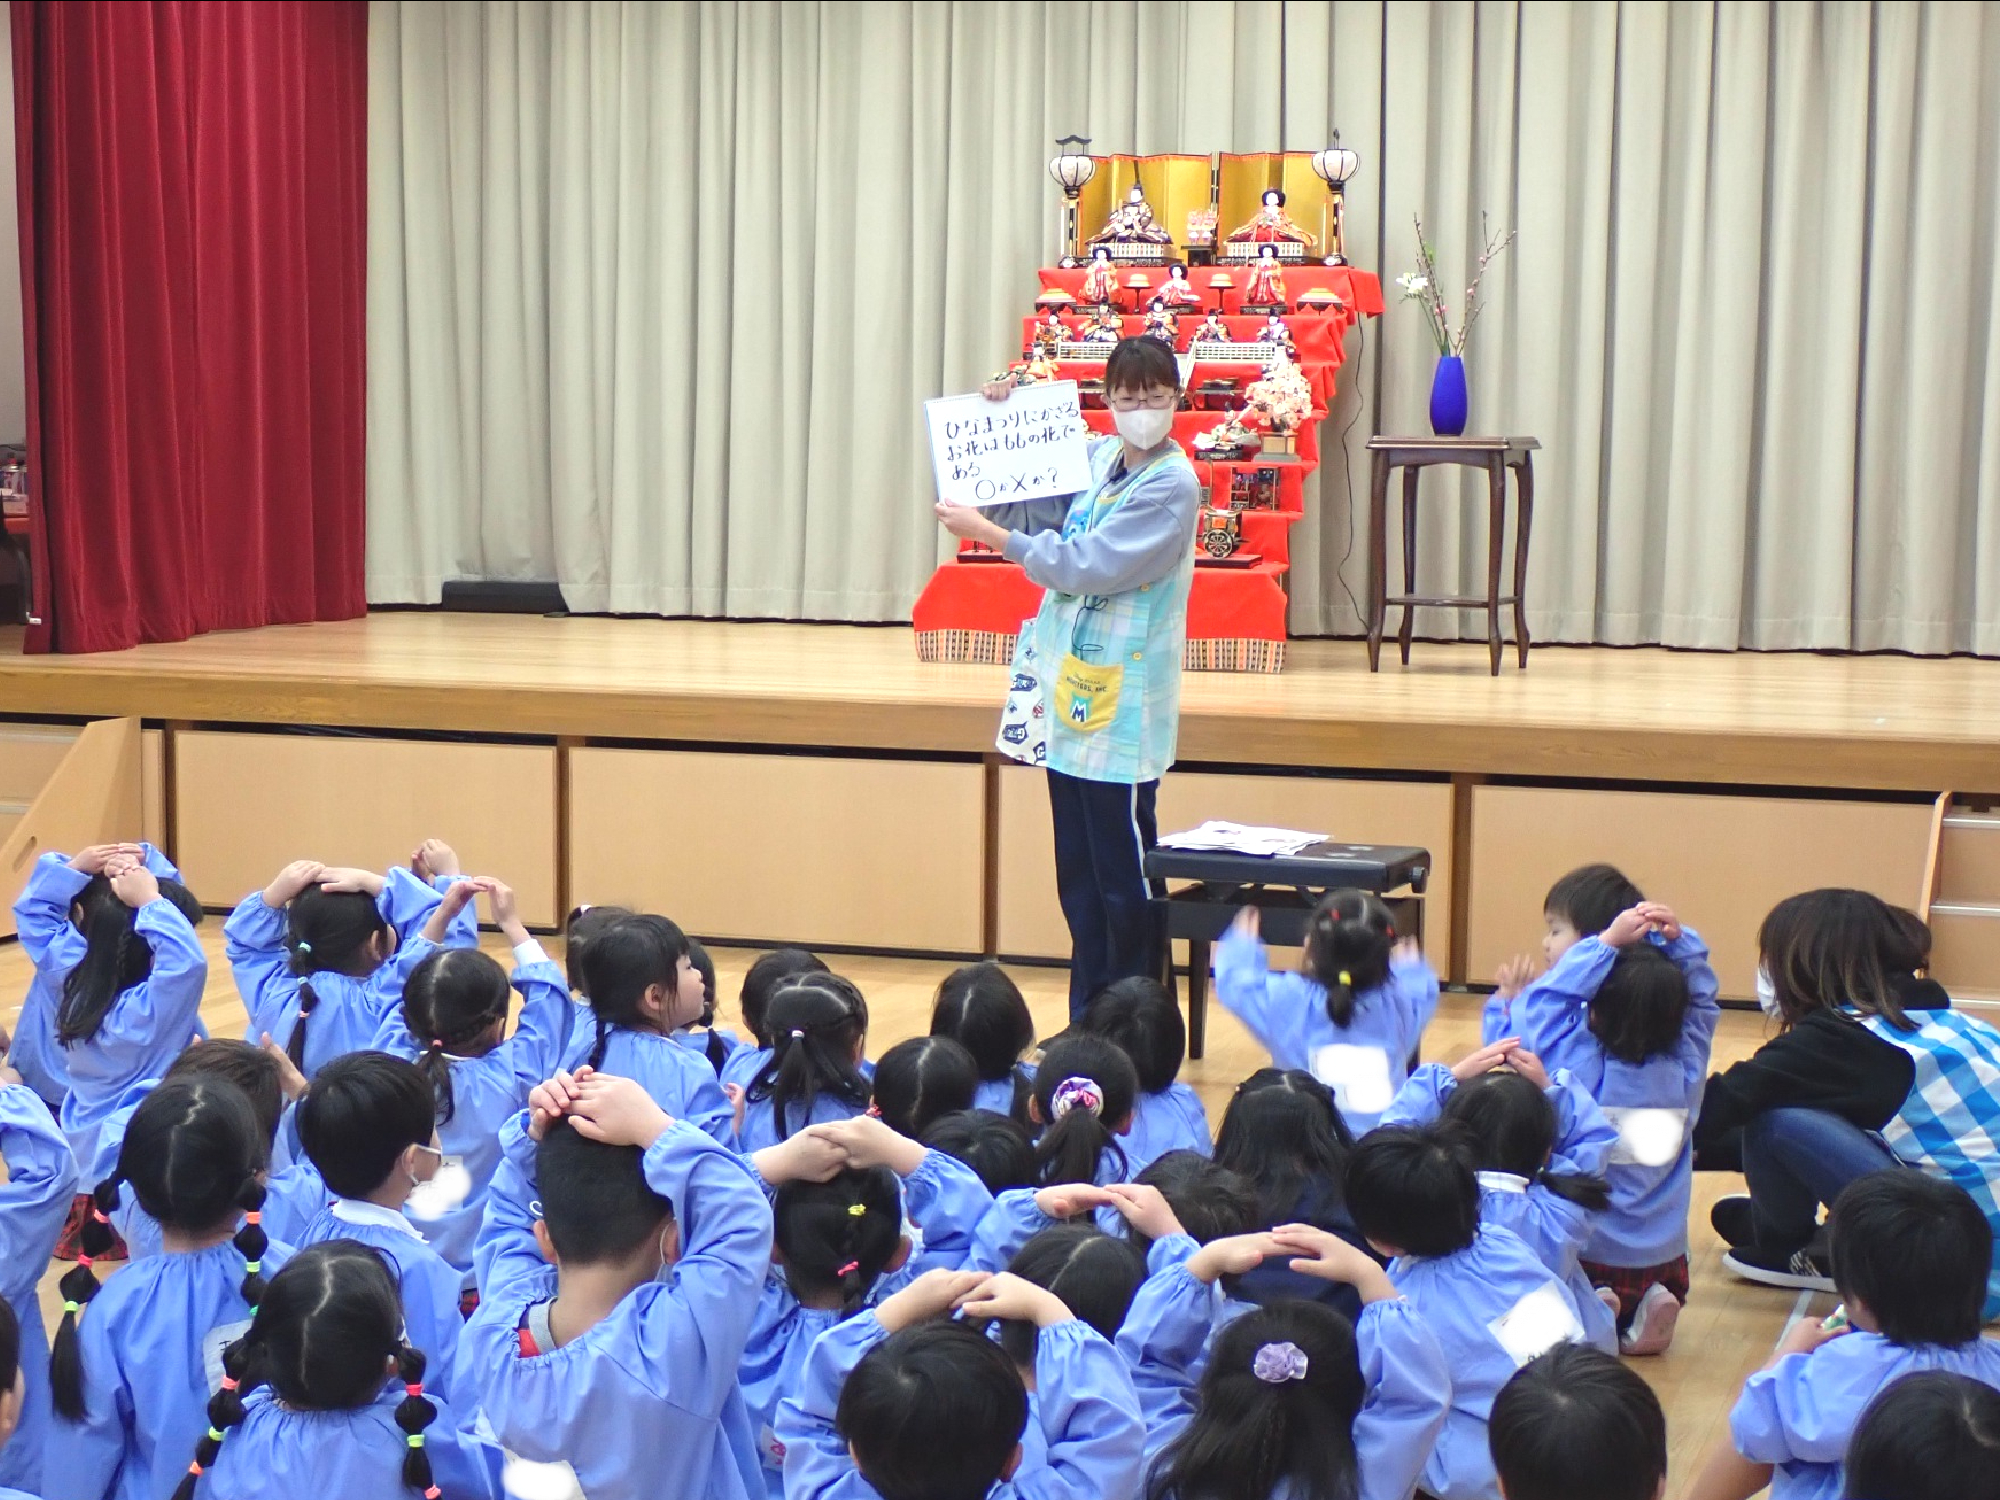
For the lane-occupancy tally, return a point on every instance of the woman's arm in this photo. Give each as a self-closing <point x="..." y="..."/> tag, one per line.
<point x="1140" y="542"/>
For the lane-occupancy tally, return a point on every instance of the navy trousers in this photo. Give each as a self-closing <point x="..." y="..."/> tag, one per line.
<point x="1103" y="830"/>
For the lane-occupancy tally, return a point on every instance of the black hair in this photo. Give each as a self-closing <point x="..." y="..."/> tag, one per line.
<point x="116" y="955"/>
<point x="327" y="931"/>
<point x="1929" y="1435"/>
<point x="1252" y="1436"/>
<point x="251" y="1069"/>
<point x="1832" y="948"/>
<point x="921" y="1079"/>
<point x="838" y="1236"/>
<point x="327" y="1326"/>
<point x="1640" y="1008"/>
<point x="1510" y="1126"/>
<point x="595" y="1199"/>
<point x="1211" y="1201"/>
<point x="1141" y="1019"/>
<point x="1348" y="941"/>
<point x="1590" y="898"/>
<point x="1413" y="1188"/>
<point x="1283" y="1135"/>
<point x="714" y="1048"/>
<point x="1094" y="1274"/>
<point x="454" y="997"/>
<point x="1270" y="191"/>
<point x="192" y="1155"/>
<point x="936" y="1377"/>
<point x="1915" y="1251"/>
<point x="762" y="979"/>
<point x="10" y="1346"/>
<point x="981" y="1008"/>
<point x="1575" y="1424"/>
<point x="623" y="961"/>
<point x="1141" y="364"/>
<point x="818" y="1023"/>
<point x="997" y="1147"/>
<point x="361" y="1112"/>
<point x="581" y="928"/>
<point x="1074" y="1135"/>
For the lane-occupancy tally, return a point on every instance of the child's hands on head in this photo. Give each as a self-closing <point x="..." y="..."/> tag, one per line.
<point x="869" y="1142"/>
<point x="1662" y="918"/>
<point x="931" y="1295"/>
<point x="1146" y="1209"/>
<point x="1529" y="1066"/>
<point x="342" y="879"/>
<point x="458" y="895"/>
<point x="802" y="1157"/>
<point x="91" y="861"/>
<point x="1327" y="1256"/>
<point x="550" y="1101"/>
<point x="616" y="1111"/>
<point x="132" y="882"/>
<point x="1016" y="1298"/>
<point x="506" y="910"/>
<point x="294" y="878"/>
<point x="1483" y="1060"/>
<point x="1627" y="928"/>
<point x="1232" y="1256"/>
<point x="1067" y="1200"/>
<point x="434" y="857"/>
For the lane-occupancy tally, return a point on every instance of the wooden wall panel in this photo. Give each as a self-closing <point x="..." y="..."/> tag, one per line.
<point x="247" y="804"/>
<point x="29" y="755"/>
<point x="808" y="849"/>
<point x="1369" y="812"/>
<point x="1721" y="862"/>
<point x="91" y="797"/>
<point x="153" y="787"/>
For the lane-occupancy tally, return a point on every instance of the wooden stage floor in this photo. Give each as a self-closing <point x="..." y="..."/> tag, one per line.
<point x="1877" y="722"/>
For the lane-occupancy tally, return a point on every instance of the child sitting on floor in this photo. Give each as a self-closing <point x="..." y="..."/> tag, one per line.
<point x="813" y="1071"/>
<point x="1352" y="1015"/>
<point x="1575" y="1424"/>
<point x="1143" y="1021"/>
<point x="1910" y="1257"/>
<point x="1928" y="1436"/>
<point x="981" y="1008"/>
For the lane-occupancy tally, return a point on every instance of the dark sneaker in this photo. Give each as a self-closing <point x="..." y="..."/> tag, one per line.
<point x="1731" y="1218"/>
<point x="1798" y="1271"/>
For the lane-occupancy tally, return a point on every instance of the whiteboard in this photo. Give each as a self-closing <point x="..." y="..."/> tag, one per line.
<point x="1028" y="447"/>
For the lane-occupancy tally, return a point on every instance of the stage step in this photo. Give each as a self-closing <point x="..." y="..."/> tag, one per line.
<point x="1964" y="908"/>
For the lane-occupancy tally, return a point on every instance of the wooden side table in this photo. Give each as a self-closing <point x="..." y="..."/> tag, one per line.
<point x="1496" y="455"/>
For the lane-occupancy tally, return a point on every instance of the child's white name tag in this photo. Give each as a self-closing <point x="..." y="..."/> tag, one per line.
<point x="523" y="1479"/>
<point x="213" y="1343"/>
<point x="1536" y="1324"/>
<point x="1358" y="1077"/>
<point x="1646" y="1137"/>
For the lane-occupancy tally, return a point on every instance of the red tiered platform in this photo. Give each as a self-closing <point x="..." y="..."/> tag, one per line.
<point x="971" y="611"/>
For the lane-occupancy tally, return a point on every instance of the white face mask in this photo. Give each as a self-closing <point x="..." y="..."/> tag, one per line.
<point x="1146" y="427"/>
<point x="1767" y="993"/>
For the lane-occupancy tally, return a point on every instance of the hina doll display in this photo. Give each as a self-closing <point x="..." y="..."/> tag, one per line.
<point x="1212" y="331"/>
<point x="1275" y="332"/>
<point x="1132" y="223"/>
<point x="1177" y="291"/>
<point x="1271" y="225"/>
<point x="1104" y="328"/>
<point x="1267" y="282"/>
<point x="1164" y="324"/>
<point x="1100" y="280"/>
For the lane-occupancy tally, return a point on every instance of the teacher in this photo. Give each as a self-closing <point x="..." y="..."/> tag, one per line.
<point x="1105" y="650"/>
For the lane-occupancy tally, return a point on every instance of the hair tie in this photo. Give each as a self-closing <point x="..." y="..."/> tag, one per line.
<point x="215" y="1435"/>
<point x="433" y="1493"/>
<point x="1277" y="1363"/>
<point x="252" y="1267"/>
<point x="848" y="1269"/>
<point x="253" y="1216"/>
<point x="196" y="1469"/>
<point x="437" y="1044"/>
<point x="1346" y="979"/>
<point x="86" y="1261"/>
<point x="72" y="1307"/>
<point x="230" y="1382"/>
<point x="798" y="1036"/>
<point x="416" y="1439"/>
<point x="857" y="1210"/>
<point x="1073" y="1093"/>
<point x="98" y="1214"/>
<point x="304" y="950"/>
<point x="414" y="1388"/>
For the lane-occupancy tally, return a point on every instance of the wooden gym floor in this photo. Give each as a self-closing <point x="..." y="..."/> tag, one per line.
<point x="1726" y="1331"/>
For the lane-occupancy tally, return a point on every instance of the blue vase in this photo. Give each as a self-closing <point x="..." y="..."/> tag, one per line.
<point x="1448" y="397"/>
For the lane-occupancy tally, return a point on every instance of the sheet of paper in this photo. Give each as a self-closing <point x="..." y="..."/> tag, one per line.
<point x="1240" y="838"/>
<point x="1028" y="447"/>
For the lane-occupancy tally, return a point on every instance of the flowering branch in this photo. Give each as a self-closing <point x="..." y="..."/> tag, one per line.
<point x="1422" y="288"/>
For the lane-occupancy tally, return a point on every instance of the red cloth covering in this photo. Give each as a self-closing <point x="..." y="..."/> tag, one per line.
<point x="192" y="196"/>
<point x="1360" y="290"/>
<point x="992" y="599"/>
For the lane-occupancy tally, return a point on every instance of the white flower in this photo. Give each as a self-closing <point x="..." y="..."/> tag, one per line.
<point x="1413" y="284"/>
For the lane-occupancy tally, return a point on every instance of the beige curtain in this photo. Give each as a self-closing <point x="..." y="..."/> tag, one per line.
<point x="657" y="290"/>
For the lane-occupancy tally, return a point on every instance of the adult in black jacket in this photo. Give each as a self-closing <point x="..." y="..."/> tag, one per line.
<point x="1800" y="1118"/>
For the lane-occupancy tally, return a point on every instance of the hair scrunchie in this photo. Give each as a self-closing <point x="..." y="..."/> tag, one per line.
<point x="1277" y="1363"/>
<point x="1076" y="1093"/>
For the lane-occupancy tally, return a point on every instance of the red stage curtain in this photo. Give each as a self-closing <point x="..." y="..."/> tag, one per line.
<point x="193" y="240"/>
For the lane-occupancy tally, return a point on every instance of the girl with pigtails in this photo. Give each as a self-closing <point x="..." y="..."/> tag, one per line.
<point x="812" y="1075"/>
<point x="1354" y="1013"/>
<point x="321" y="1395"/>
<point x="133" y="1366"/>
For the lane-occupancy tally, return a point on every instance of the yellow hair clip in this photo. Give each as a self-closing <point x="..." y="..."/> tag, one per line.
<point x="857" y="1210"/>
<point x="1347" y="979"/>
